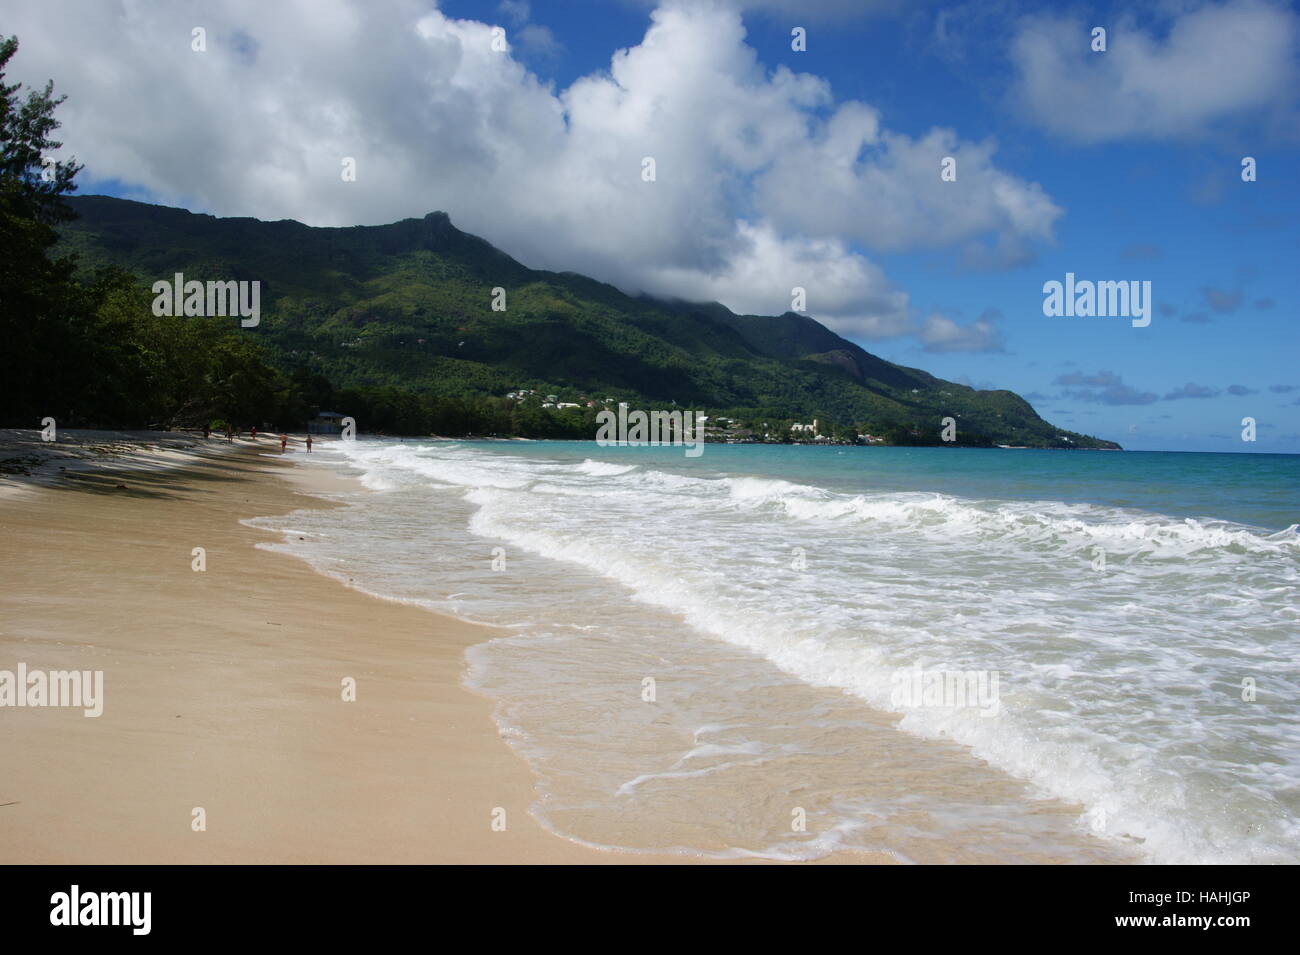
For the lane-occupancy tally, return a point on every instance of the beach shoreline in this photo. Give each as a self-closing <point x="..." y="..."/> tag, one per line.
<point x="224" y="687"/>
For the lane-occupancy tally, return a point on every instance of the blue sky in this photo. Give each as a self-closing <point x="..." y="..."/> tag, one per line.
<point x="1174" y="212"/>
<point x="1125" y="168"/>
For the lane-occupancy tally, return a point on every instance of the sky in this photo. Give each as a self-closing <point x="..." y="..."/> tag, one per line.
<point x="774" y="167"/>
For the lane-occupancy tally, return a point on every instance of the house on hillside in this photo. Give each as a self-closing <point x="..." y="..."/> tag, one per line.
<point x="326" y="422"/>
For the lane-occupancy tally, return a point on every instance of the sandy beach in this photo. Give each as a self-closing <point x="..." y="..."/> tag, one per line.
<point x="223" y="689"/>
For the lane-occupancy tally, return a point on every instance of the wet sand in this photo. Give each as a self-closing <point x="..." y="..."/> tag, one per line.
<point x="223" y="688"/>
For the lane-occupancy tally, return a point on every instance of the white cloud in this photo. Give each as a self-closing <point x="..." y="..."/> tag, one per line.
<point x="940" y="333"/>
<point x="539" y="43"/>
<point x="1214" y="62"/>
<point x="819" y="10"/>
<point x="536" y="42"/>
<point x="517" y="12"/>
<point x="436" y="119"/>
<point x="760" y="281"/>
<point x="884" y="189"/>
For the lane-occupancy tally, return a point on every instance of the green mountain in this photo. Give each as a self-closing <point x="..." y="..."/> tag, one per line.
<point x="409" y="306"/>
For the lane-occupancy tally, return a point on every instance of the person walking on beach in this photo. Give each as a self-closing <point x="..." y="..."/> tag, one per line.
<point x="309" y="444"/>
<point x="284" y="439"/>
<point x="253" y="432"/>
<point x="230" y="434"/>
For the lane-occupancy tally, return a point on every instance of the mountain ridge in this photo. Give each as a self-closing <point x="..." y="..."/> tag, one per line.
<point x="407" y="305"/>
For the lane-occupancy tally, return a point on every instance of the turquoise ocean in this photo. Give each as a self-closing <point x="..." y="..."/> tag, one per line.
<point x="723" y="655"/>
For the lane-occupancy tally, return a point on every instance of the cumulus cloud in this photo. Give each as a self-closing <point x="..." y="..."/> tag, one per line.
<point x="537" y="43"/>
<point x="1209" y="62"/>
<point x="939" y="333"/>
<point x="1104" y="387"/>
<point x="823" y="10"/>
<point x="884" y="190"/>
<point x="516" y="12"/>
<point x="260" y="123"/>
<point x="835" y="281"/>
<point x="1241" y="390"/>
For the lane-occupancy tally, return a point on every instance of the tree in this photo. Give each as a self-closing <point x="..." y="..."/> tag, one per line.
<point x="36" y="294"/>
<point x="33" y="182"/>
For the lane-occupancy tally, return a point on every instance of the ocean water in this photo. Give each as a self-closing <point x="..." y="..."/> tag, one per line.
<point x="746" y="653"/>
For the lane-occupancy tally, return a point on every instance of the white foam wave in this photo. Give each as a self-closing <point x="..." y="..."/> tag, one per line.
<point x="1116" y="681"/>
